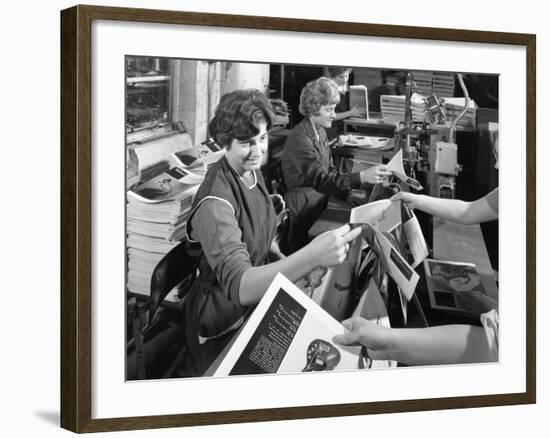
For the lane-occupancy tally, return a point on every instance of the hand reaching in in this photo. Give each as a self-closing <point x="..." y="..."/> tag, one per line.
<point x="375" y="174"/>
<point x="357" y="111"/>
<point x="359" y="331"/>
<point x="409" y="198"/>
<point x="331" y="248"/>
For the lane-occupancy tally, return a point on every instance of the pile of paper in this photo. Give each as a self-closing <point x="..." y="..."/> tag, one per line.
<point x="443" y="84"/>
<point x="423" y="82"/>
<point x="393" y="108"/>
<point x="455" y="105"/>
<point x="156" y="213"/>
<point x="151" y="158"/>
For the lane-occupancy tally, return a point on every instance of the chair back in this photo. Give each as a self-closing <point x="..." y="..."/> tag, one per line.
<point x="177" y="267"/>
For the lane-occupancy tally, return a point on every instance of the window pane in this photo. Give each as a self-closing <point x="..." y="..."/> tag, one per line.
<point x="147" y="93"/>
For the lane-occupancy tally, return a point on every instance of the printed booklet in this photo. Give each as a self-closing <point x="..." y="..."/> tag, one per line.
<point x="288" y="333"/>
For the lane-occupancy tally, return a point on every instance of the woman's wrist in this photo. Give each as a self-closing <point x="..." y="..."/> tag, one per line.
<point x="389" y="344"/>
<point x="305" y="257"/>
<point x="419" y="201"/>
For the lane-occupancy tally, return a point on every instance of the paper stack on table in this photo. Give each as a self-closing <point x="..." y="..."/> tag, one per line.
<point x="393" y="108"/>
<point x="443" y="84"/>
<point x="422" y="82"/>
<point x="455" y="105"/>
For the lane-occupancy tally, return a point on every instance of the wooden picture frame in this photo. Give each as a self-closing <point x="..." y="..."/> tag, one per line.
<point x="76" y="217"/>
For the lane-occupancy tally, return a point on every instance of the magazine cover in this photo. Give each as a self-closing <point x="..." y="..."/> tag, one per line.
<point x="167" y="186"/>
<point x="208" y="152"/>
<point x="449" y="283"/>
<point x="288" y="333"/>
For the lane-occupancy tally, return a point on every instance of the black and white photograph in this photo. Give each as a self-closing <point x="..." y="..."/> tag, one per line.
<point x="274" y="219"/>
<point x="242" y="175"/>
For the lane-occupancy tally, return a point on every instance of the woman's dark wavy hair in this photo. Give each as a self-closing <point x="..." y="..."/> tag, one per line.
<point x="238" y="115"/>
<point x="315" y="94"/>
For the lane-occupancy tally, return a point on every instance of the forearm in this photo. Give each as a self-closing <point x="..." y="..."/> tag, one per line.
<point x="446" y="344"/>
<point x="342" y="115"/>
<point x="331" y="181"/>
<point x="468" y="213"/>
<point x="256" y="280"/>
<point x="450" y="209"/>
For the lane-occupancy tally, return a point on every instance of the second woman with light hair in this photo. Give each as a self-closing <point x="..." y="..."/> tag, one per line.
<point x="308" y="169"/>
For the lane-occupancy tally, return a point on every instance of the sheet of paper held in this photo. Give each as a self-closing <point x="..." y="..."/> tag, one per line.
<point x="385" y="215"/>
<point x="394" y="263"/>
<point x="395" y="166"/>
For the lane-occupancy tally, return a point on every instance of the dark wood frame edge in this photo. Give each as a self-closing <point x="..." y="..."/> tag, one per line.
<point x="76" y="224"/>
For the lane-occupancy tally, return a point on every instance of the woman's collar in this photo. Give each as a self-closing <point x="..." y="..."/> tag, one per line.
<point x="314" y="129"/>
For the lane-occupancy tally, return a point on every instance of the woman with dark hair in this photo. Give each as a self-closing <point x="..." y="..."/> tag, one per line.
<point x="233" y="219"/>
<point x="308" y="170"/>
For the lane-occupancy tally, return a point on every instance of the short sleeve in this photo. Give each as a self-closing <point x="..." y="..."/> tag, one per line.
<point x="490" y="324"/>
<point x="492" y="199"/>
<point x="214" y="225"/>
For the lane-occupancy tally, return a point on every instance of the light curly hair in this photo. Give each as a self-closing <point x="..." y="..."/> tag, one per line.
<point x="315" y="94"/>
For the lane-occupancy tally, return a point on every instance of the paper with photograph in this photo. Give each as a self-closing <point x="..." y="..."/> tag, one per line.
<point x="384" y="215"/>
<point x="393" y="262"/>
<point x="455" y="286"/>
<point x="413" y="233"/>
<point x="208" y="152"/>
<point x="288" y="333"/>
<point x="175" y="183"/>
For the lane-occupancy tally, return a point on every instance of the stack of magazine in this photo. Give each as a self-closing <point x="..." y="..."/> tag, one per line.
<point x="393" y="108"/>
<point x="155" y="222"/>
<point x="208" y="153"/>
<point x="423" y="82"/>
<point x="443" y="84"/>
<point x="157" y="211"/>
<point x="455" y="105"/>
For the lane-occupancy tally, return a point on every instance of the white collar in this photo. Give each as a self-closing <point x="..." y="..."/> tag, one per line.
<point x="246" y="184"/>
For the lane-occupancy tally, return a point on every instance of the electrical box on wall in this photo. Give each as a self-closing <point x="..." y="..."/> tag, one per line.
<point x="446" y="158"/>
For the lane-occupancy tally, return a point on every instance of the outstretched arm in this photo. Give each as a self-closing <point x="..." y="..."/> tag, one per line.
<point x="455" y="210"/>
<point x="356" y="111"/>
<point x="215" y="226"/>
<point x="446" y="344"/>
